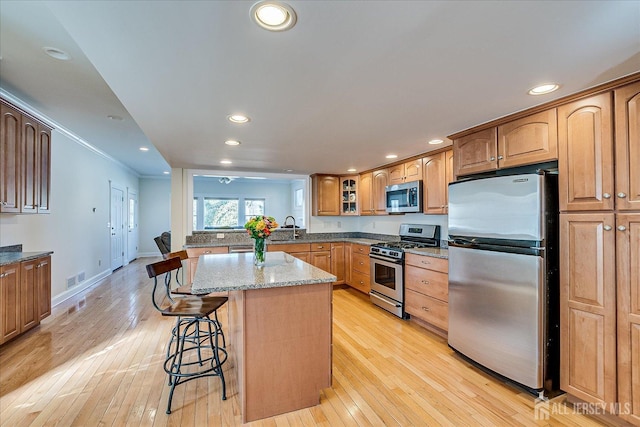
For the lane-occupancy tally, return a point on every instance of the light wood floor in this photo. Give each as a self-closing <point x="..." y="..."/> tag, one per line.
<point x="98" y="361"/>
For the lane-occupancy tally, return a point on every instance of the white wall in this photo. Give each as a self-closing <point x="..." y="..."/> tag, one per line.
<point x="154" y="201"/>
<point x="79" y="237"/>
<point x="387" y="224"/>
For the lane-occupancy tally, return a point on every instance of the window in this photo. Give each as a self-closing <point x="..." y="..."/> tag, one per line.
<point x="253" y="207"/>
<point x="220" y="212"/>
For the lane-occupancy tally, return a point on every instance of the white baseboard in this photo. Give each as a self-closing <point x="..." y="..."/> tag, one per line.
<point x="79" y="288"/>
<point x="149" y="254"/>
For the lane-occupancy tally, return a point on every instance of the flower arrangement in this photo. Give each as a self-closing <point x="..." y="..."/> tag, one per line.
<point x="259" y="228"/>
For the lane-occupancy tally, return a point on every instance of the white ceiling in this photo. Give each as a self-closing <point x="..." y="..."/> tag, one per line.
<point x="351" y="82"/>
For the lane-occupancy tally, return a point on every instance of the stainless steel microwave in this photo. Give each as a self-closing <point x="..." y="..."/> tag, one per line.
<point x="405" y="197"/>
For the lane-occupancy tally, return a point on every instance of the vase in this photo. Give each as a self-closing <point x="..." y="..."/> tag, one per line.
<point x="258" y="252"/>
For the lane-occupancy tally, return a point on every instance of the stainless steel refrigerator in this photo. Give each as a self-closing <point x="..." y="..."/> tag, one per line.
<point x="503" y="276"/>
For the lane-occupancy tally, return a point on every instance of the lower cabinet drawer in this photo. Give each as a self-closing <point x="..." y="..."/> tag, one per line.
<point x="428" y="282"/>
<point x="360" y="281"/>
<point x="361" y="263"/>
<point x="428" y="309"/>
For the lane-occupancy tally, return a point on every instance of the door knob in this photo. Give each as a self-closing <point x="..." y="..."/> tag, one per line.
<point x="622" y="227"/>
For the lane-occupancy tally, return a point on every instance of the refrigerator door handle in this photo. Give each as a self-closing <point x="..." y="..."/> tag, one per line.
<point x="461" y="243"/>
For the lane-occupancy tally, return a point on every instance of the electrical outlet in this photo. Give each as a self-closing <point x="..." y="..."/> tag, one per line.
<point x="220" y="235"/>
<point x="99" y="262"/>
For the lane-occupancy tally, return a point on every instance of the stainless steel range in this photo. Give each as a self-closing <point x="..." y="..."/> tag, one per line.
<point x="387" y="265"/>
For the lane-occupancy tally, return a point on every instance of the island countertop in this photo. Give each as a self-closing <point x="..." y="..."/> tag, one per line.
<point x="236" y="272"/>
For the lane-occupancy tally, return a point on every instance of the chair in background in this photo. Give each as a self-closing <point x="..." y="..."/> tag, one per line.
<point x="193" y="350"/>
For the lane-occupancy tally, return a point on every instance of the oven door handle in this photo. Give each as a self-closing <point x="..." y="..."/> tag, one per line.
<point x="389" y="260"/>
<point x="384" y="300"/>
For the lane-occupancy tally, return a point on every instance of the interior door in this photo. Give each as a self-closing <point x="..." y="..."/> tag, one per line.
<point x="132" y="226"/>
<point x="117" y="228"/>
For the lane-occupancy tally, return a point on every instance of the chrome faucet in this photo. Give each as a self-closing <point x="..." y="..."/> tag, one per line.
<point x="294" y="225"/>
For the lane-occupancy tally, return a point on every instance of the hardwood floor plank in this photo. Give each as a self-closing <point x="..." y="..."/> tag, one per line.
<point x="97" y="360"/>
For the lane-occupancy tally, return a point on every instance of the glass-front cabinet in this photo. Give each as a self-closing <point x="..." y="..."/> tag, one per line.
<point x="349" y="195"/>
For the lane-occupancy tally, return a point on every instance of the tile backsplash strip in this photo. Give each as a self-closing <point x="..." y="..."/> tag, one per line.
<point x="11" y="248"/>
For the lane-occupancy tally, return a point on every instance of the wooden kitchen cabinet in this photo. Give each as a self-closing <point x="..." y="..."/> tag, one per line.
<point x="438" y="174"/>
<point x="628" y="298"/>
<point x="298" y="250"/>
<point x="194" y="254"/>
<point x="529" y="140"/>
<point x="25" y="296"/>
<point x="476" y="152"/>
<point x="588" y="306"/>
<point x="326" y="195"/>
<point x="29" y="290"/>
<point x="349" y="195"/>
<point x="405" y="172"/>
<point x="10" y="155"/>
<point x="25" y="163"/>
<point x="585" y="161"/>
<point x="627" y="147"/>
<point x="338" y="262"/>
<point x="320" y="256"/>
<point x="347" y="262"/>
<point x="43" y="286"/>
<point x="373" y="197"/>
<point x="360" y="268"/>
<point x="427" y="290"/>
<point x="9" y="302"/>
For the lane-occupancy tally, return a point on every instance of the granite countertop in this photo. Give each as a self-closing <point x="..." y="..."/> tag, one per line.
<point x="358" y="240"/>
<point x="236" y="272"/>
<point x="432" y="252"/>
<point x="7" y="258"/>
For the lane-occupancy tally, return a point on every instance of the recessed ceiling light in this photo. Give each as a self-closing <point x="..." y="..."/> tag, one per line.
<point x="288" y="170"/>
<point x="351" y="170"/>
<point x="391" y="156"/>
<point x="273" y="15"/>
<point x="226" y="162"/>
<point x="436" y="141"/>
<point x="57" y="53"/>
<point x="238" y="118"/>
<point x="114" y="117"/>
<point x="232" y="142"/>
<point x="144" y="149"/>
<point x="543" y="89"/>
<point x="255" y="177"/>
<point x="166" y="172"/>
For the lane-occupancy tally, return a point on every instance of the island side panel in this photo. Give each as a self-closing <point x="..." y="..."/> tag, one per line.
<point x="235" y="342"/>
<point x="287" y="349"/>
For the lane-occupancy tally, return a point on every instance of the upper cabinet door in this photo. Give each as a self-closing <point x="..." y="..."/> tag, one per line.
<point x="365" y="188"/>
<point x="585" y="158"/>
<point x="627" y="101"/>
<point x="476" y="152"/>
<point x="10" y="155"/>
<point x="435" y="185"/>
<point x="532" y="139"/>
<point x="413" y="170"/>
<point x="380" y="179"/>
<point x="326" y="195"/>
<point x="44" y="168"/>
<point x="30" y="185"/>
<point x="396" y="174"/>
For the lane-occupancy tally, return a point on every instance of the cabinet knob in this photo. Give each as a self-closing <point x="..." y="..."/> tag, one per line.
<point x="491" y="159"/>
<point x="607" y="227"/>
<point x="622" y="195"/>
<point x="606" y="195"/>
<point x="622" y="227"/>
<point x="425" y="308"/>
<point x="426" y="282"/>
<point x="425" y="262"/>
<point x="500" y="157"/>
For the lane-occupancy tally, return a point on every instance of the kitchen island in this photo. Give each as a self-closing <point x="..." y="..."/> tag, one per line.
<point x="280" y="319"/>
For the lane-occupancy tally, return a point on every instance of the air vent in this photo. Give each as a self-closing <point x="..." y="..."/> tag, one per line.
<point x="81" y="277"/>
<point x="71" y="282"/>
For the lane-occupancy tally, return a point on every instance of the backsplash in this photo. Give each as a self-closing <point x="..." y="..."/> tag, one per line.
<point x="11" y="248"/>
<point x="241" y="236"/>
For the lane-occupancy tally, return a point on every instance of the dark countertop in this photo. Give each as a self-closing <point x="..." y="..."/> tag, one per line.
<point x="7" y="258"/>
